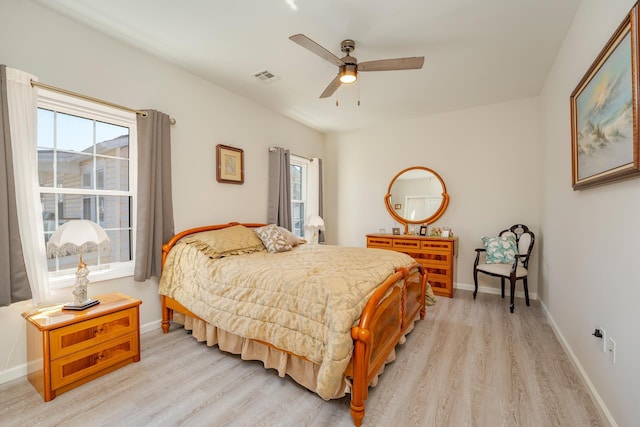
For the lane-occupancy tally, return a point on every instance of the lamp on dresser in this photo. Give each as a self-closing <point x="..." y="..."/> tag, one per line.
<point x="76" y="237"/>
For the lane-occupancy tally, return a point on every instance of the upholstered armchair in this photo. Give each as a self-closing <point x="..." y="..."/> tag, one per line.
<point x="506" y="257"/>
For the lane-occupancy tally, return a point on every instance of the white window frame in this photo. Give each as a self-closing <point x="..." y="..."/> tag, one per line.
<point x="95" y="111"/>
<point x="310" y="188"/>
<point x="303" y="164"/>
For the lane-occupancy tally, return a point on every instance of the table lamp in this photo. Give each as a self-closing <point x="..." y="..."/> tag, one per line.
<point x="315" y="224"/>
<point x="78" y="236"/>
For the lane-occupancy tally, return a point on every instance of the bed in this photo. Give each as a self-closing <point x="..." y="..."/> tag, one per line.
<point x="327" y="316"/>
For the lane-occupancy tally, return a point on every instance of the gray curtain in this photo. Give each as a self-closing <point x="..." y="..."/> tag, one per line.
<point x="155" y="204"/>
<point x="279" y="208"/>
<point x="320" y="200"/>
<point x="14" y="284"/>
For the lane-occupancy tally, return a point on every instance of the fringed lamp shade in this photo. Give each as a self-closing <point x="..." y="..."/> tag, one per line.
<point x="315" y="224"/>
<point x="77" y="237"/>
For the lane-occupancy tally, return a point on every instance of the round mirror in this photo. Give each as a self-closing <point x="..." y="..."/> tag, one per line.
<point x="416" y="195"/>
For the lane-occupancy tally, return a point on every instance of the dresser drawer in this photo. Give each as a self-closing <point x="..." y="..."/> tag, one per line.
<point x="379" y="242"/>
<point x="440" y="245"/>
<point x="81" y="364"/>
<point x="436" y="259"/>
<point x="406" y="244"/>
<point x="69" y="339"/>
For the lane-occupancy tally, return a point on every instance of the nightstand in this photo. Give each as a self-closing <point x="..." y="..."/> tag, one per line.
<point x="67" y="348"/>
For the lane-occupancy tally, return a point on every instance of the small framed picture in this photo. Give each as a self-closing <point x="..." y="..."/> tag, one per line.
<point x="423" y="230"/>
<point x="229" y="164"/>
<point x="396" y="231"/>
<point x="397" y="206"/>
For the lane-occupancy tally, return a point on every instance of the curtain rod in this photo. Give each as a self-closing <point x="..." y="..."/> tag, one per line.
<point x="272" y="149"/>
<point x="89" y="98"/>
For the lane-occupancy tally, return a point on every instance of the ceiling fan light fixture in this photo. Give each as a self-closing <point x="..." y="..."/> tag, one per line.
<point x="348" y="74"/>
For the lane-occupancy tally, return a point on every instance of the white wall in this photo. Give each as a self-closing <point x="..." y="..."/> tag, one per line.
<point x="68" y="55"/>
<point x="488" y="157"/>
<point x="589" y="257"/>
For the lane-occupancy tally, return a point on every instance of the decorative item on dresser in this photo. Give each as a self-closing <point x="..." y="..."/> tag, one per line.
<point x="67" y="348"/>
<point x="437" y="254"/>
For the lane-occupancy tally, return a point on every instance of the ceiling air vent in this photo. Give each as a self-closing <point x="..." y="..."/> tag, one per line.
<point x="266" y="76"/>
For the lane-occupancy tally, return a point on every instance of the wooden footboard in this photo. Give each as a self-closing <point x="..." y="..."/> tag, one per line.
<point x="385" y="319"/>
<point x="382" y="324"/>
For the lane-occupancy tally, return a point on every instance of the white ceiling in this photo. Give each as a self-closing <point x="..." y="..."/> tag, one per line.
<point x="476" y="52"/>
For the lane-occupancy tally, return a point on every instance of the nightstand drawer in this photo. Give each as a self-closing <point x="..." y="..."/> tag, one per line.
<point x="81" y="364"/>
<point x="81" y="335"/>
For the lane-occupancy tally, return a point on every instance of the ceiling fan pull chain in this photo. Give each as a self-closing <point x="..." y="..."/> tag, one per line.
<point x="337" y="104"/>
<point x="358" y="83"/>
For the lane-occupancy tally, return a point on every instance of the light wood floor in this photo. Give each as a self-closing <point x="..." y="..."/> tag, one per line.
<point x="470" y="363"/>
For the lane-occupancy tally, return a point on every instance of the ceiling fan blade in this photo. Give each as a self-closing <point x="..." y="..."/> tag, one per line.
<point x="314" y="47"/>
<point x="411" y="63"/>
<point x="333" y="86"/>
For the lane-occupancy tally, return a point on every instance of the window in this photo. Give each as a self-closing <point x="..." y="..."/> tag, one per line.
<point x="86" y="170"/>
<point x="298" y="177"/>
<point x="304" y="176"/>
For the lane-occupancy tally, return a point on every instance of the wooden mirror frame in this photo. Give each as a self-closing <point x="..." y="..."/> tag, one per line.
<point x="429" y="220"/>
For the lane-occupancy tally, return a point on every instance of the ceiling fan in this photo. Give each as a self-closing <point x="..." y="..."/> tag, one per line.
<point x="348" y="66"/>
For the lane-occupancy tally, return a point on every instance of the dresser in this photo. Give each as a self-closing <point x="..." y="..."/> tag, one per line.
<point x="437" y="254"/>
<point x="67" y="348"/>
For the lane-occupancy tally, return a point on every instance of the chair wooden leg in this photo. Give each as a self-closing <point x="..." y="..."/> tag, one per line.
<point x="526" y="290"/>
<point x="513" y="291"/>
<point x="502" y="283"/>
<point x="475" y="281"/>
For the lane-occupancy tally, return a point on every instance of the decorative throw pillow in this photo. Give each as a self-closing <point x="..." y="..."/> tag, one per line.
<point x="235" y="240"/>
<point x="291" y="238"/>
<point x="500" y="250"/>
<point x="273" y="239"/>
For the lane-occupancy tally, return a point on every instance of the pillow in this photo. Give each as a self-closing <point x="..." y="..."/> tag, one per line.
<point x="500" y="250"/>
<point x="273" y="239"/>
<point x="292" y="239"/>
<point x="235" y="240"/>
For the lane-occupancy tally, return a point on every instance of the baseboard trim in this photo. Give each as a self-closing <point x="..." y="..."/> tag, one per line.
<point x="567" y="348"/>
<point x="21" y="370"/>
<point x="494" y="291"/>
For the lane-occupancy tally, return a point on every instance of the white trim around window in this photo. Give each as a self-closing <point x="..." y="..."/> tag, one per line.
<point x="86" y="109"/>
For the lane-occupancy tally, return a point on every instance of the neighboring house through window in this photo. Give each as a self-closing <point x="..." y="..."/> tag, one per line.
<point x="86" y="170"/>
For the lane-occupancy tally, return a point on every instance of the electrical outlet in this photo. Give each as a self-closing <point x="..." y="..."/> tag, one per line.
<point x="611" y="344"/>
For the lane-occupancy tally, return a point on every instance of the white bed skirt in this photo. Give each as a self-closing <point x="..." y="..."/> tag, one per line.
<point x="303" y="371"/>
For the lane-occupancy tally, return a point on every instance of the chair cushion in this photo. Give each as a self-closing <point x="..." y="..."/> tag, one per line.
<point x="502" y="269"/>
<point x="500" y="250"/>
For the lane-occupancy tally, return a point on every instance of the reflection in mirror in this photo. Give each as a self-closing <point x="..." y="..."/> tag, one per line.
<point x="416" y="195"/>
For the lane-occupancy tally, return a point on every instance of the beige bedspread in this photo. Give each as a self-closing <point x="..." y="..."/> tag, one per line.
<point x="304" y="301"/>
